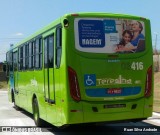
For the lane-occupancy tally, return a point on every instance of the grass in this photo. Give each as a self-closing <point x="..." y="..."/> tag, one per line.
<point x="3" y="85"/>
<point x="156" y="105"/>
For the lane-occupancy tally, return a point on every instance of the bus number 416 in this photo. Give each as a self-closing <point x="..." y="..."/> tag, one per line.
<point x="137" y="66"/>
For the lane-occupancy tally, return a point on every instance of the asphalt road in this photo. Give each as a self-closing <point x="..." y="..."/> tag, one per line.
<point x="11" y="119"/>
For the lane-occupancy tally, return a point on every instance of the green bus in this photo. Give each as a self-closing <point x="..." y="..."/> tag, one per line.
<point x="84" y="68"/>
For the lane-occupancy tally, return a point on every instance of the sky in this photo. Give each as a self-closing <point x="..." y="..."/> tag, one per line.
<point x="21" y="18"/>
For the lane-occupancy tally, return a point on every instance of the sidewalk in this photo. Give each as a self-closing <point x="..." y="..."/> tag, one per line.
<point x="155" y="119"/>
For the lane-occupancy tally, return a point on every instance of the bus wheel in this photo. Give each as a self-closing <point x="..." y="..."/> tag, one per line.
<point x="36" y="113"/>
<point x="13" y="101"/>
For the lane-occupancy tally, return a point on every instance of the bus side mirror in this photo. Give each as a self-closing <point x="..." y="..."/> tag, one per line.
<point x="4" y="67"/>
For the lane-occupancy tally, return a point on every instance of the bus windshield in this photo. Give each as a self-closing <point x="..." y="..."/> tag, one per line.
<point x="109" y="35"/>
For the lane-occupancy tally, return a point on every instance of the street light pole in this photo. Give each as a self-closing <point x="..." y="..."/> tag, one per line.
<point x="156" y="52"/>
<point x="156" y="44"/>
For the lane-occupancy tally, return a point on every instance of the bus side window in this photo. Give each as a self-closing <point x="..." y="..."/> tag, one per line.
<point x="58" y="46"/>
<point x="24" y="55"/>
<point x="31" y="54"/>
<point x="38" y="53"/>
<point x="45" y="53"/>
<point x="48" y="51"/>
<point x="20" y="57"/>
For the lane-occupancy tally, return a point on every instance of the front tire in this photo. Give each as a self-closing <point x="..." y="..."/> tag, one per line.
<point x="14" y="101"/>
<point x="13" y="98"/>
<point x="36" y="113"/>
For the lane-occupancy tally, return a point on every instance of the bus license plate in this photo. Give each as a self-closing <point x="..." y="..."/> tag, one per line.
<point x="115" y="106"/>
<point x="114" y="91"/>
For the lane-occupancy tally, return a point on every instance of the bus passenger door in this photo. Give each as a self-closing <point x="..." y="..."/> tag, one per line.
<point x="49" y="89"/>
